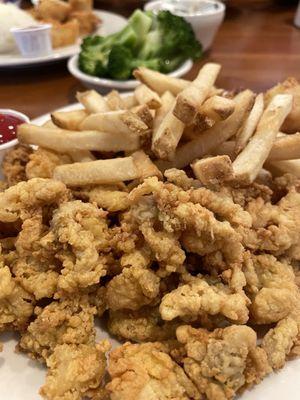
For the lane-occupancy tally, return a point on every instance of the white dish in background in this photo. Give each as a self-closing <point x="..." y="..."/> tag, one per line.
<point x="103" y="85"/>
<point x="22" y="377"/>
<point x="206" y="17"/>
<point x="111" y="23"/>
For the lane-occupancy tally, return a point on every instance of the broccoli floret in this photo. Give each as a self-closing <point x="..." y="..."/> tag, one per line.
<point x="171" y="35"/>
<point x="121" y="63"/>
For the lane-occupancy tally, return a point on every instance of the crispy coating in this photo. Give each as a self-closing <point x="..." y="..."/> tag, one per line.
<point x="14" y="164"/>
<point x="110" y="198"/>
<point x="132" y="289"/>
<point x="278" y="342"/>
<point x="143" y="325"/>
<point x="179" y="178"/>
<point x="16" y="305"/>
<point x="271" y="287"/>
<point x="82" y="231"/>
<point x="220" y="363"/>
<point x="42" y="163"/>
<point x="146" y="371"/>
<point x="74" y="370"/>
<point x="22" y="200"/>
<point x="200" y="297"/>
<point x="69" y="321"/>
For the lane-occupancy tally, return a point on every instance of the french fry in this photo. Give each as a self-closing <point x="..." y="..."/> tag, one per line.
<point x="114" y="101"/>
<point x="214" y="109"/>
<point x="226" y="148"/>
<point x="250" y="124"/>
<point x="278" y="168"/>
<point x="144" y="113"/>
<point x="189" y="101"/>
<point x="213" y="170"/>
<point x="82" y="156"/>
<point x="160" y="83"/>
<point x="92" y="101"/>
<point x="122" y="122"/>
<point x="145" y="166"/>
<point x="129" y="101"/>
<point x="167" y="136"/>
<point x="49" y="124"/>
<point x="144" y="95"/>
<point x="249" y="162"/>
<point x="286" y="148"/>
<point x="167" y="101"/>
<point x="68" y="119"/>
<point x="97" y="172"/>
<point x="218" y="134"/>
<point x="64" y="141"/>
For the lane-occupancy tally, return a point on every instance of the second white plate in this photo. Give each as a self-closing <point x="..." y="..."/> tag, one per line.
<point x="110" y="23"/>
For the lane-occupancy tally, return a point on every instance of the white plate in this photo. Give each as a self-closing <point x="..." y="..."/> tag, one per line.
<point x="111" y="23"/>
<point x="21" y="377"/>
<point x="103" y="85"/>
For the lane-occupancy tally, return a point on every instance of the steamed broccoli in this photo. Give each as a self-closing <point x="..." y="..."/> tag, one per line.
<point x="158" y="41"/>
<point x="121" y="63"/>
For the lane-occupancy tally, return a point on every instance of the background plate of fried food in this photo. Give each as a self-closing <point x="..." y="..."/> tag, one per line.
<point x="71" y="21"/>
<point x="171" y="215"/>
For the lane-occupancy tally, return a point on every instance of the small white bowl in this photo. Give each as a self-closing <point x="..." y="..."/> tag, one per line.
<point x="104" y="85"/>
<point x="34" y="41"/>
<point x="5" y="147"/>
<point x="205" y="19"/>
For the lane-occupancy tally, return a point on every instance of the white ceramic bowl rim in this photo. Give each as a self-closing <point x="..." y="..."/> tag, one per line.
<point x="156" y="4"/>
<point x="17" y="114"/>
<point x="111" y="83"/>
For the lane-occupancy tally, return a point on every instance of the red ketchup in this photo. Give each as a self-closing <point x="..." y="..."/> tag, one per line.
<point x="8" y="127"/>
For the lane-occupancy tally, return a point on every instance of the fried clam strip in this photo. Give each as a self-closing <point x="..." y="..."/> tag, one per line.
<point x="271" y="287"/>
<point x="110" y="171"/>
<point x="188" y="102"/>
<point x="75" y="371"/>
<point x="82" y="230"/>
<point x="14" y="164"/>
<point x="143" y="325"/>
<point x="42" y="163"/>
<point x="69" y="321"/>
<point x="179" y="178"/>
<point x="145" y="371"/>
<point x="166" y="249"/>
<point x="16" y="305"/>
<point x="249" y="126"/>
<point x="202" y="297"/>
<point x="132" y="289"/>
<point x="24" y="199"/>
<point x="278" y="343"/>
<point x="109" y="197"/>
<point x="160" y="83"/>
<point x="64" y="141"/>
<point x="250" y="161"/>
<point x="213" y="137"/>
<point x="276" y="228"/>
<point x="122" y="121"/>
<point x="201" y="232"/>
<point x="92" y="101"/>
<point x="70" y="120"/>
<point x="223" y="362"/>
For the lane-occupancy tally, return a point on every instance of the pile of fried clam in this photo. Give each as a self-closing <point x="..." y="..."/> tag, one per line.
<point x="173" y="215"/>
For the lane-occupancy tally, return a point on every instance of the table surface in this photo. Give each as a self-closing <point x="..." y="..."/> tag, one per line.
<point x="257" y="46"/>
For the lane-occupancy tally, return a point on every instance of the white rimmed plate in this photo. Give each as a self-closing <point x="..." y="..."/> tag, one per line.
<point x="21" y="377"/>
<point x="103" y="85"/>
<point x="111" y="23"/>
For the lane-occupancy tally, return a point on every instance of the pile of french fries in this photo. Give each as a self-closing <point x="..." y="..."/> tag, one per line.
<point x="171" y="123"/>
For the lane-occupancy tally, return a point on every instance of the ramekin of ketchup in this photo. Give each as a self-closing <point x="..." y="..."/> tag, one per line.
<point x="9" y="121"/>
